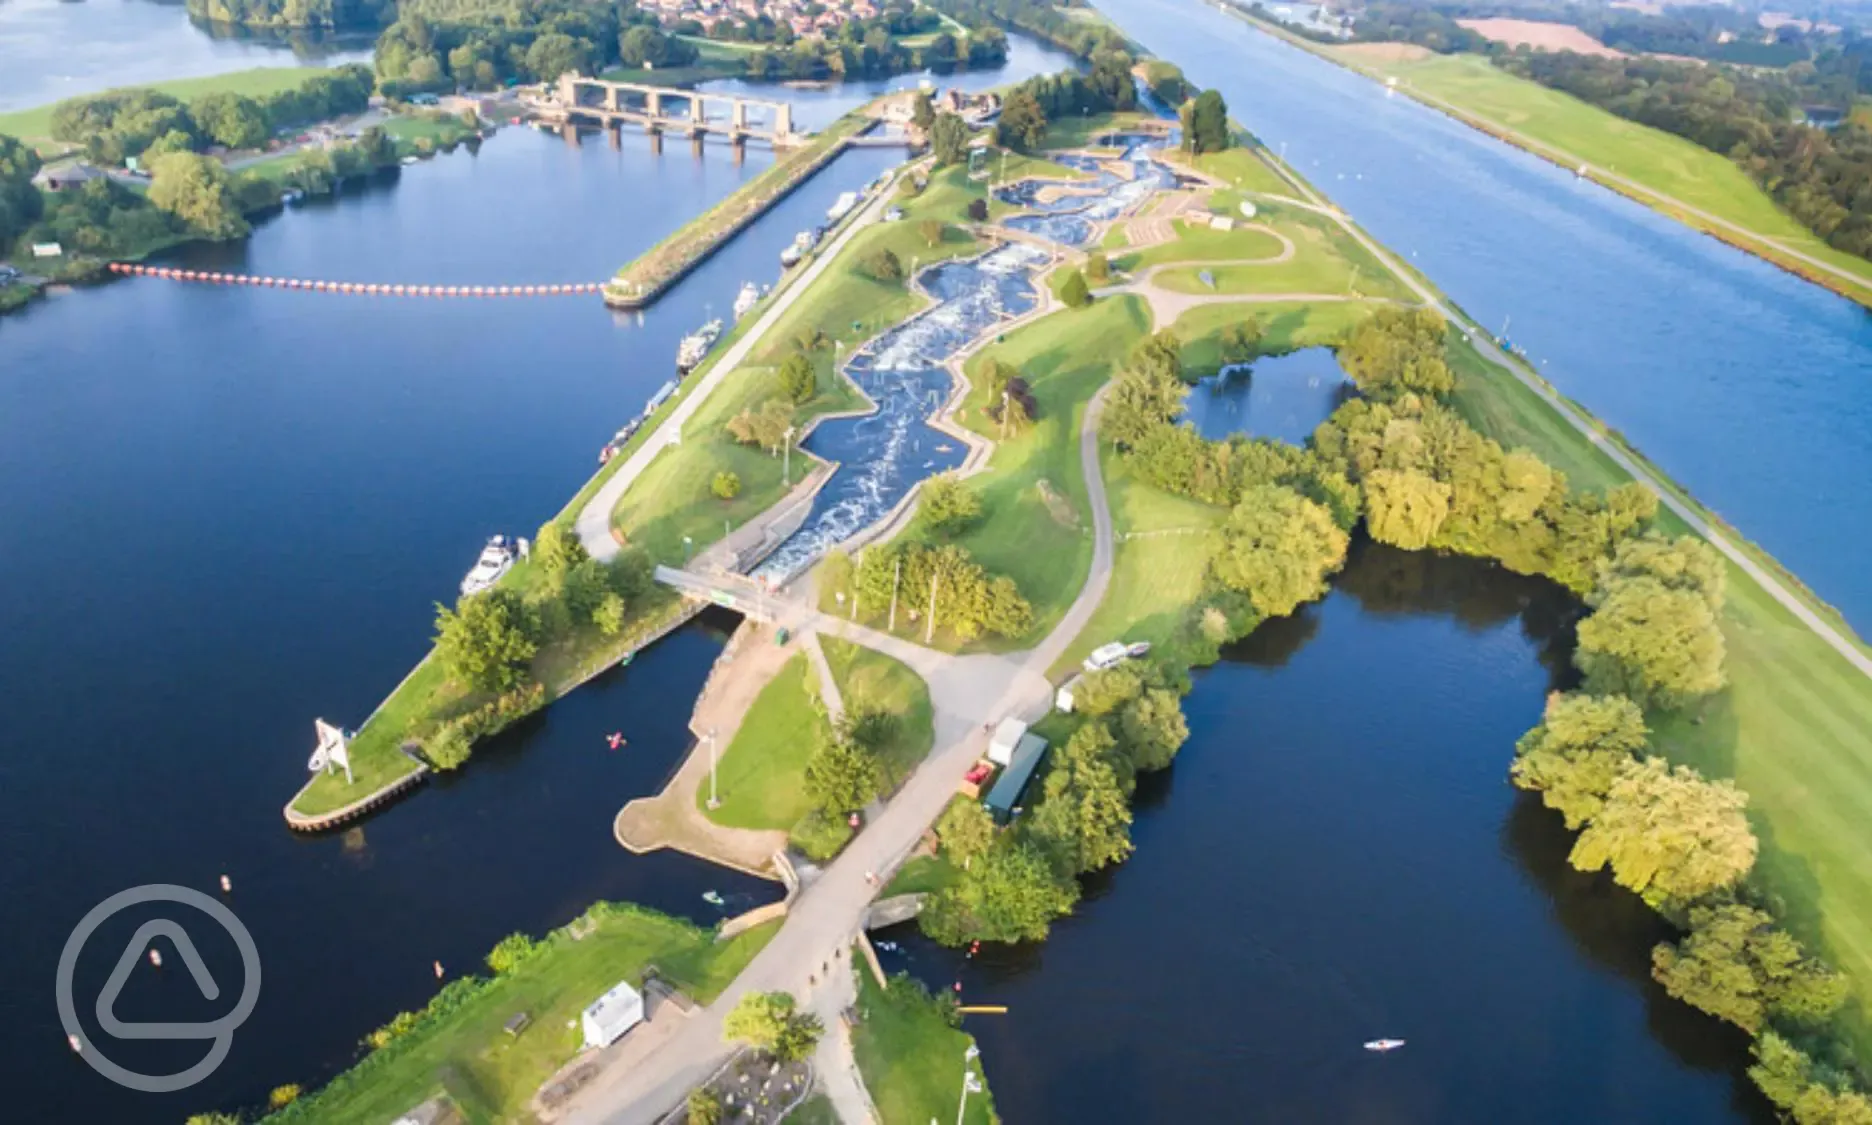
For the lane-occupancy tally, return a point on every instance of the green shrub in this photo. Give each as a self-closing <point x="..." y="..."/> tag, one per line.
<point x="819" y="836"/>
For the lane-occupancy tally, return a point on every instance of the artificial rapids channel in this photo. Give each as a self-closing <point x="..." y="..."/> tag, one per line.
<point x="905" y="372"/>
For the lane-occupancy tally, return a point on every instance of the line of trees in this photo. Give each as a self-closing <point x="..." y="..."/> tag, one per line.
<point x="1042" y="20"/>
<point x="481" y="44"/>
<point x="870" y="49"/>
<point x="119" y="124"/>
<point x="331" y="14"/>
<point x="969" y="601"/>
<point x="1106" y="87"/>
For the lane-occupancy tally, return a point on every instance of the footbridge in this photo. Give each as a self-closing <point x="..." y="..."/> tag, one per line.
<point x="749" y="597"/>
<point x="575" y="100"/>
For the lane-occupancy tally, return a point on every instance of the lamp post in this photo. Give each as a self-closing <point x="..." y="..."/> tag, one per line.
<point x="786" y="459"/>
<point x="687" y="543"/>
<point x="714" y="802"/>
<point x="971" y="1084"/>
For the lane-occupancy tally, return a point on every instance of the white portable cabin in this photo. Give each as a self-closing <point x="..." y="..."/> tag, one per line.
<point x="613" y="1014"/>
<point x="1007" y="736"/>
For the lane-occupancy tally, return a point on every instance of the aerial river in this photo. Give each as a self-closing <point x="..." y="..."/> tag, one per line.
<point x="233" y="511"/>
<point x="1751" y="387"/>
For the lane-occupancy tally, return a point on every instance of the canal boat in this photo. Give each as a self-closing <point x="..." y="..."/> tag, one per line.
<point x="1107" y="656"/>
<point x="1383" y="1045"/>
<point x="749" y="296"/>
<point x="802" y="242"/>
<point x="497" y="558"/>
<point x="696" y="345"/>
<point x="842" y="206"/>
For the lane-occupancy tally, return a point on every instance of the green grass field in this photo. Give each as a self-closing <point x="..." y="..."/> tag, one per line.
<point x="36" y="124"/>
<point x="761" y="778"/>
<point x="1325" y="260"/>
<point x="816" y="1110"/>
<point x="1239" y="166"/>
<point x="924" y="873"/>
<point x="911" y="1060"/>
<point x="491" y="1075"/>
<point x="869" y="680"/>
<point x="1285" y="326"/>
<point x="1583" y="132"/>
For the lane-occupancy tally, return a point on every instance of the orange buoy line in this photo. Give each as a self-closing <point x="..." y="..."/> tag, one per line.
<point x="358" y="287"/>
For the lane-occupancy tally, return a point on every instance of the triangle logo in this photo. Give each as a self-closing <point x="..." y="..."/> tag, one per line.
<point x="133" y="952"/>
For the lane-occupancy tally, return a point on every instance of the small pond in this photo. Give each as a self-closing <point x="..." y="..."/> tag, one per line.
<point x="1283" y="397"/>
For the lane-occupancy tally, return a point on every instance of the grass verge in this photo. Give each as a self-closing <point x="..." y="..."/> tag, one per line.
<point x="911" y="1058"/>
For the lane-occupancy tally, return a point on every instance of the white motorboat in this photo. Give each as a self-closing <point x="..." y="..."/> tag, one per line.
<point x="802" y="242"/>
<point x="696" y="345"/>
<point x="1106" y="656"/>
<point x="842" y="206"/>
<point x="749" y="296"/>
<point x="1383" y="1045"/>
<point x="497" y="558"/>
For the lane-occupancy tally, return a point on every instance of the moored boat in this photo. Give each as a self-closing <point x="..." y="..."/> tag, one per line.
<point x="497" y="558"/>
<point x="1383" y="1045"/>
<point x="695" y="346"/>
<point x="749" y="296"/>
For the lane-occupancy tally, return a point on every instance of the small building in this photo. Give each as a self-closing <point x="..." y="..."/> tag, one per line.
<point x="1006" y="740"/>
<point x="612" y="1014"/>
<point x="47" y="249"/>
<point x="1006" y="794"/>
<point x="65" y="177"/>
<point x="1221" y="222"/>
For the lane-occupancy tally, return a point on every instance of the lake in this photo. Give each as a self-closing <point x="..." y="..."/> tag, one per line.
<point x="1337" y="856"/>
<point x="1284" y="397"/>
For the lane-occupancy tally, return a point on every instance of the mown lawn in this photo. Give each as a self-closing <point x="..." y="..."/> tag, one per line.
<point x="493" y="1075"/>
<point x="1239" y="166"/>
<point x="1285" y="326"/>
<point x="1325" y="261"/>
<point x="869" y="680"/>
<point x="761" y="776"/>
<point x="911" y="1059"/>
<point x="1080" y="132"/>
<point x="1202" y="243"/>
<point x="36" y="124"/>
<point x="1652" y="157"/>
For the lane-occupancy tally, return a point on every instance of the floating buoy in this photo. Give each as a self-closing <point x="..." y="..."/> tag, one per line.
<point x="438" y="970"/>
<point x="77" y="1044"/>
<point x="227" y="885"/>
<point x="155" y="957"/>
<point x="616" y="739"/>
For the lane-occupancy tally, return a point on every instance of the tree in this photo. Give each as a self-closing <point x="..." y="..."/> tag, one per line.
<point x="1148" y="393"/>
<point x="1098" y="267"/>
<point x="487" y="640"/>
<point x="765" y="427"/>
<point x="1405" y="508"/>
<point x="1579" y="749"/>
<point x="1013" y="894"/>
<point x="922" y="113"/>
<point x="931" y="230"/>
<point x="1083" y="821"/>
<point x="20" y="201"/>
<point x="1205" y="123"/>
<point x="883" y="265"/>
<point x="725" y="485"/>
<point x="230" y="119"/>
<point x="1737" y="965"/>
<point x="843" y="775"/>
<point x="510" y="952"/>
<point x="1151" y="728"/>
<point x="946" y="505"/>
<point x="1241" y="340"/>
<point x="966" y="831"/>
<point x="977" y="210"/>
<point x="282" y="1096"/>
<point x="1278" y="548"/>
<point x="1684" y="563"/>
<point x="1395" y="351"/>
<point x="1668" y="834"/>
<point x="949" y="138"/>
<point x="1661" y="646"/>
<point x="1023" y="123"/>
<point x="704" y="1107"/>
<point x="768" y="1021"/>
<point x="1074" y="291"/>
<point x="609" y="615"/>
<point x="449" y="748"/>
<point x="643" y="45"/>
<point x="554" y="54"/>
<point x="197" y="190"/>
<point x="798" y="378"/>
<point x="556" y="550"/>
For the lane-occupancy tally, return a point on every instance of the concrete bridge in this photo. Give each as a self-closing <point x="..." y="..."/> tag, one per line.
<point x="746" y="596"/>
<point x="575" y="100"/>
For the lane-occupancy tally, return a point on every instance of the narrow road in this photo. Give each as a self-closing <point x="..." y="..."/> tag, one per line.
<point x="966" y="692"/>
<point x="1578" y="419"/>
<point x="594" y="520"/>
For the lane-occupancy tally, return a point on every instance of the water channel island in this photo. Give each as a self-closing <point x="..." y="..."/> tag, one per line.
<point x="1067" y="313"/>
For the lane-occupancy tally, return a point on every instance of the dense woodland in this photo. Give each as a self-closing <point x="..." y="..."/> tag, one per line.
<point x="1052" y="23"/>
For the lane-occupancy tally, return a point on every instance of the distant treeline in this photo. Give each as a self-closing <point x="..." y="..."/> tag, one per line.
<point x="334" y="14"/>
<point x="1083" y="36"/>
<point x="140" y="122"/>
<point x="866" y="48"/>
<point x="1820" y="176"/>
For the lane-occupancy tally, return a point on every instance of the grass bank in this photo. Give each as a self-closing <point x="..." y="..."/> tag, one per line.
<point x="458" y="1045"/>
<point x="35" y="124"/>
<point x="911" y="1058"/>
<point x="870" y="681"/>
<point x="761" y="776"/>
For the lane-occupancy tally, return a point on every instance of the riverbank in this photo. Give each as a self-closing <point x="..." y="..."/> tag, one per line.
<point x="1658" y="167"/>
<point x="487" y="1044"/>
<point x="641" y="282"/>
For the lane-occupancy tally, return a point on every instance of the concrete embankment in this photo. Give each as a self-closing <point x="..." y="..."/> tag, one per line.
<point x="639" y="284"/>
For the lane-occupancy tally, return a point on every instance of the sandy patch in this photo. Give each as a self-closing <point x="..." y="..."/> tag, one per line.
<point x="1540" y="36"/>
<point x="1386" y="52"/>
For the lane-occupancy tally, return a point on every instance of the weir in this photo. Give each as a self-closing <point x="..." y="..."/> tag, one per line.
<point x="575" y="100"/>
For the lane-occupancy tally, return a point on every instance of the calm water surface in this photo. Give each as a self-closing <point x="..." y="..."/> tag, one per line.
<point x="1337" y="856"/>
<point x="53" y="49"/>
<point x="1284" y="397"/>
<point x="1694" y="350"/>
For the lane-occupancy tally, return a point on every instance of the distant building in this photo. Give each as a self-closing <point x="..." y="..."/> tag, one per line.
<point x="65" y="177"/>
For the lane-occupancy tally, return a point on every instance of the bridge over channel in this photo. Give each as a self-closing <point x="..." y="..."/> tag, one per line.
<point x="575" y="100"/>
